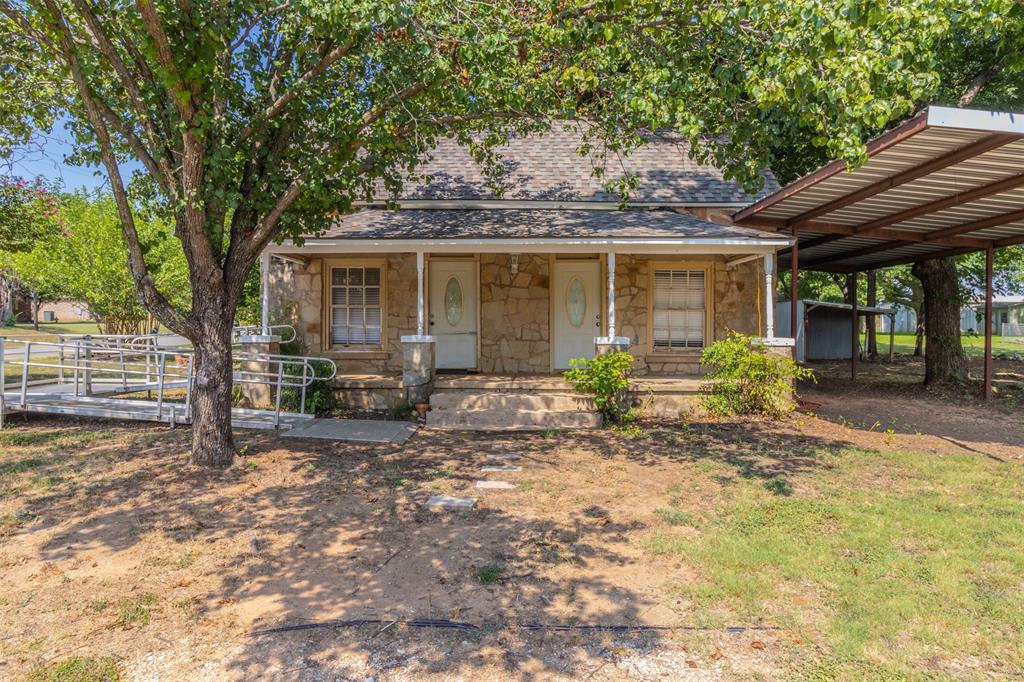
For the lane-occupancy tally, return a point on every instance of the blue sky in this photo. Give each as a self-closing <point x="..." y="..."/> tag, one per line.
<point x="46" y="158"/>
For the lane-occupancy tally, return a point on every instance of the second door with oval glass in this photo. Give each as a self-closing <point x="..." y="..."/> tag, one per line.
<point x="576" y="310"/>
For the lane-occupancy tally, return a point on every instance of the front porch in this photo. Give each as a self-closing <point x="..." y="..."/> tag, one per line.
<point x="510" y="298"/>
<point x="658" y="395"/>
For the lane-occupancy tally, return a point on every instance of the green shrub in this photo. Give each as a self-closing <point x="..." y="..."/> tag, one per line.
<point x="606" y="377"/>
<point x="319" y="394"/>
<point x="745" y="379"/>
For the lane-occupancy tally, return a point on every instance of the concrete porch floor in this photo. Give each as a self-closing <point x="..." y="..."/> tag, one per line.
<point x="521" y="382"/>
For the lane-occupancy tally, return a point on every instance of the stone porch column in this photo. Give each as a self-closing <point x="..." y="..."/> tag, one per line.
<point x="419" y="351"/>
<point x="611" y="343"/>
<point x="262" y="394"/>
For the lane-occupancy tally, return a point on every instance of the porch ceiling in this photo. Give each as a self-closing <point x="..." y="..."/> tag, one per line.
<point x="946" y="182"/>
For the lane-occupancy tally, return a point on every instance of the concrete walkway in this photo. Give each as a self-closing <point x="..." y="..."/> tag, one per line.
<point x="354" y="430"/>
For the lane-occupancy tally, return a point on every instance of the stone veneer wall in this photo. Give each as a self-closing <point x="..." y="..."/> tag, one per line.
<point x="297" y="299"/>
<point x="514" y="321"/>
<point x="514" y="311"/>
<point x="734" y="292"/>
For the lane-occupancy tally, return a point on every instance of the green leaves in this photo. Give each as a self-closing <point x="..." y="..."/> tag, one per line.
<point x="743" y="378"/>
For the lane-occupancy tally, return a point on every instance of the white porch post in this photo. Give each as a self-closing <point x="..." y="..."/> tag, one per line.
<point x="611" y="294"/>
<point x="769" y="295"/>
<point x="610" y="343"/>
<point x="265" y="292"/>
<point x="421" y="311"/>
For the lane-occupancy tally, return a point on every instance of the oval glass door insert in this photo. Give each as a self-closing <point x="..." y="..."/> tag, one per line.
<point x="453" y="301"/>
<point x="575" y="302"/>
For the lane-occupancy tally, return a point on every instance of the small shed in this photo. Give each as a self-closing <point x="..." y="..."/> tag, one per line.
<point x="827" y="331"/>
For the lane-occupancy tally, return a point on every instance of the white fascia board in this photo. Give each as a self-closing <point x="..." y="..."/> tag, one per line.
<point x="976" y="119"/>
<point x="633" y="246"/>
<point x="564" y="205"/>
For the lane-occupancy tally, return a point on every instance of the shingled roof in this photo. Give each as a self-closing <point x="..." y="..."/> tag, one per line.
<point x="547" y="167"/>
<point x="375" y="223"/>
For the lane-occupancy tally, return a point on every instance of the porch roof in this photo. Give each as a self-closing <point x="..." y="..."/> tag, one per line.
<point x="640" y="231"/>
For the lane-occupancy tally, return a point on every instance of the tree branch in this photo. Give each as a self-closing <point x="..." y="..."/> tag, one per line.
<point x="978" y="83"/>
<point x="157" y="159"/>
<point x="151" y="297"/>
<point x="151" y="20"/>
<point x="279" y="105"/>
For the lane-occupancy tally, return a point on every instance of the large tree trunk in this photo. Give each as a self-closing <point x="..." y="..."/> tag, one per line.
<point x="944" y="359"/>
<point x="212" y="442"/>
<point x="919" y="332"/>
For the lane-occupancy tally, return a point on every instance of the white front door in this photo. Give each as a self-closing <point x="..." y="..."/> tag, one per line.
<point x="576" y="309"/>
<point x="453" y="315"/>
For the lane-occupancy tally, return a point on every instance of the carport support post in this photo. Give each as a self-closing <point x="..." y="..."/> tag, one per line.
<point x="794" y="274"/>
<point x="987" y="391"/>
<point x="851" y="286"/>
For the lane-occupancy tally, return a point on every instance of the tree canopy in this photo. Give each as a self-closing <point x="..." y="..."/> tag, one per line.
<point x="257" y="120"/>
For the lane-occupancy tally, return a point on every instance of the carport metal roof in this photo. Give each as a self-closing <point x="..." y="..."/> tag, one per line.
<point x="946" y="182"/>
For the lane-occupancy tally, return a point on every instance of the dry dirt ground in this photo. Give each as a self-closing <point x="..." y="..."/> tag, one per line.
<point x="113" y="546"/>
<point x="942" y="419"/>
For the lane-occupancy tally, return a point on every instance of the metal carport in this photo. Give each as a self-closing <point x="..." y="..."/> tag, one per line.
<point x="946" y="182"/>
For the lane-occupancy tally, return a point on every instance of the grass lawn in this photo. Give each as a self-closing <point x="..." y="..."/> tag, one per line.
<point x="48" y="332"/>
<point x="974" y="346"/>
<point x="861" y="553"/>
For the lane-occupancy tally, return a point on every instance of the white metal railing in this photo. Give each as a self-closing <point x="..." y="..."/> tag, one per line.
<point x="1009" y="329"/>
<point x="137" y="364"/>
<point x="285" y="331"/>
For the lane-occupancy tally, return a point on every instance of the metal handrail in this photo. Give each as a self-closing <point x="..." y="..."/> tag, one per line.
<point x="131" y="359"/>
<point x="257" y="329"/>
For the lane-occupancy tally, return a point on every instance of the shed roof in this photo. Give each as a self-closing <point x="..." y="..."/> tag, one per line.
<point x="948" y="181"/>
<point x="548" y="167"/>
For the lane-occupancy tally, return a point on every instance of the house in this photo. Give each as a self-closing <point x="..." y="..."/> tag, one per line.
<point x="1007" y="316"/>
<point x="465" y="288"/>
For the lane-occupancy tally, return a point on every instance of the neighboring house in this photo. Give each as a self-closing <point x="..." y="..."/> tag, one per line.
<point x="1007" y="316"/>
<point x="52" y="311"/>
<point x="518" y="285"/>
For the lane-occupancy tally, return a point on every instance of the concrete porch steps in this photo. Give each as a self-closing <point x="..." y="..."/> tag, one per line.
<point x="511" y="420"/>
<point x="508" y="403"/>
<point x="463" y="399"/>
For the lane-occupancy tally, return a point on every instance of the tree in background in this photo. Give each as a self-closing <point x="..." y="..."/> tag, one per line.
<point x="257" y="121"/>
<point x="28" y="212"/>
<point x="88" y="261"/>
<point x="977" y="63"/>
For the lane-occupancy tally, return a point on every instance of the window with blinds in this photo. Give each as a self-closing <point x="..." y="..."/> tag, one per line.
<point x="679" y="307"/>
<point x="355" y="306"/>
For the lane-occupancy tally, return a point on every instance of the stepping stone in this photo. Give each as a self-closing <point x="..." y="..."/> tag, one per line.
<point x="501" y="468"/>
<point x="504" y="457"/>
<point x="495" y="485"/>
<point x="438" y="502"/>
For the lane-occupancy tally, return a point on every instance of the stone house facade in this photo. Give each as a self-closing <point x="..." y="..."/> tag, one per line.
<point x="520" y="282"/>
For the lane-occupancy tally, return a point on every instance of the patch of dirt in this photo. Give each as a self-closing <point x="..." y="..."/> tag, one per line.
<point x="889" y="399"/>
<point x="113" y="545"/>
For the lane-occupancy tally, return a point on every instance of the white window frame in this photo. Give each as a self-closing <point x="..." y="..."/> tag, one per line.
<point x="708" y="271"/>
<point x="328" y="308"/>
